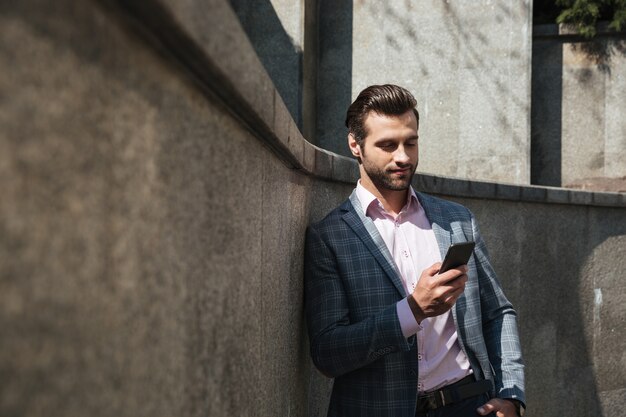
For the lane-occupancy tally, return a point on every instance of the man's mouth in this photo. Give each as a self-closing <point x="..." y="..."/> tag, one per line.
<point x="401" y="171"/>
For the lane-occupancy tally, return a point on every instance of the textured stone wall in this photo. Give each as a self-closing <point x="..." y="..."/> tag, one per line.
<point x="579" y="129"/>
<point x="155" y="193"/>
<point x="150" y="246"/>
<point x="556" y="266"/>
<point x="276" y="30"/>
<point x="467" y="62"/>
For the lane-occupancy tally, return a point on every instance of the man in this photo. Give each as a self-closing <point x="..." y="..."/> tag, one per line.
<point x="399" y="338"/>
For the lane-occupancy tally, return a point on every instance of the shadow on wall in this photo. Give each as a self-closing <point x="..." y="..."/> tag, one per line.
<point x="334" y="74"/>
<point x="547" y="258"/>
<point x="601" y="51"/>
<point x="575" y="104"/>
<point x="546" y="108"/>
<point x="588" y="362"/>
<point x="606" y="296"/>
<point x="281" y="57"/>
<point x="475" y="58"/>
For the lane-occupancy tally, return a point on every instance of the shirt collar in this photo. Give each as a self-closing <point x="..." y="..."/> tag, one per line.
<point x="369" y="200"/>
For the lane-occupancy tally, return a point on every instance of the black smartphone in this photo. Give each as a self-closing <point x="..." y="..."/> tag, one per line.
<point x="458" y="254"/>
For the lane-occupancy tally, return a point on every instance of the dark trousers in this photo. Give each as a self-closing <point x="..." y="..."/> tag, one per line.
<point x="465" y="408"/>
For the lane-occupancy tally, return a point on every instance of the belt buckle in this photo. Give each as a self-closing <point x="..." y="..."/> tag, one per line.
<point x="427" y="402"/>
<point x="432" y="402"/>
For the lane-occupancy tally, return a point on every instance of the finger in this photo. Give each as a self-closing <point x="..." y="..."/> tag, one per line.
<point x="457" y="282"/>
<point x="433" y="269"/>
<point x="453" y="273"/>
<point x="451" y="298"/>
<point x="457" y="285"/>
<point x="454" y="283"/>
<point x="454" y="295"/>
<point x="489" y="407"/>
<point x="492" y="406"/>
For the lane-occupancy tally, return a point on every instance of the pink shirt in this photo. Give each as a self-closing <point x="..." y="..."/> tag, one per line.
<point x="413" y="246"/>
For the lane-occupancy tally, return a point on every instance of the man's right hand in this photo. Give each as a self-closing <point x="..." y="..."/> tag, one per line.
<point x="435" y="294"/>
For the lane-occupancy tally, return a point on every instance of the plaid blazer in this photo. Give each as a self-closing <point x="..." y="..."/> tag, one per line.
<point x="352" y="286"/>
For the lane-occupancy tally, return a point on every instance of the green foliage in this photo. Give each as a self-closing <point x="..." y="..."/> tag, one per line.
<point x="584" y="14"/>
<point x="619" y="18"/>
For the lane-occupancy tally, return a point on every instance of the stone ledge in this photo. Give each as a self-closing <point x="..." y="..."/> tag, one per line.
<point x="206" y="39"/>
<point x="526" y="193"/>
<point x="213" y="48"/>
<point x="569" y="33"/>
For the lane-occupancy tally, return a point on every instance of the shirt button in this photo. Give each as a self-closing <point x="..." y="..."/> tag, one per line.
<point x="419" y="356"/>
<point x="419" y="386"/>
<point x="406" y="254"/>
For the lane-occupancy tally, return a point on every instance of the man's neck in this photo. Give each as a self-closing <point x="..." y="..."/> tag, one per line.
<point x="392" y="201"/>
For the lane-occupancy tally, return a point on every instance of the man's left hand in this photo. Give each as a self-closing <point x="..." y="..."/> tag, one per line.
<point x="502" y="408"/>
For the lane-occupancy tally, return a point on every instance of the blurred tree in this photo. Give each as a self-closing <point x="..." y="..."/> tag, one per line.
<point x="584" y="14"/>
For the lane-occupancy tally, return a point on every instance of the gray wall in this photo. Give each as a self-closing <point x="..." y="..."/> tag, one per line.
<point x="155" y="193"/>
<point x="467" y="62"/>
<point x="276" y="30"/>
<point x="578" y="124"/>
<point x="150" y="246"/>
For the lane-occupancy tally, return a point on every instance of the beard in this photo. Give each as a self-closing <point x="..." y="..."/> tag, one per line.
<point x="385" y="179"/>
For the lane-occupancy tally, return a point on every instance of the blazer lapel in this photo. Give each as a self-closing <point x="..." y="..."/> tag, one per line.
<point x="366" y="230"/>
<point x="446" y="233"/>
<point x="440" y="225"/>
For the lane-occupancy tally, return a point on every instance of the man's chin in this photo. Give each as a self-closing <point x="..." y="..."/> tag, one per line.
<point x="388" y="181"/>
<point x="400" y="187"/>
<point x="397" y="186"/>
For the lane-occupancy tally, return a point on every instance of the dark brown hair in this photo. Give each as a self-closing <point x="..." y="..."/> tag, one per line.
<point x="388" y="100"/>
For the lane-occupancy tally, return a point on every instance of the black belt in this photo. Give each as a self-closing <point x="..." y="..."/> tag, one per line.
<point x="461" y="390"/>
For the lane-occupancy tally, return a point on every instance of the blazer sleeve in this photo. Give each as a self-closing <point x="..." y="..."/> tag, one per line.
<point x="339" y="345"/>
<point x="499" y="321"/>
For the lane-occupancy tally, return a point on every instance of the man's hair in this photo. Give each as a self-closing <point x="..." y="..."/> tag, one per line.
<point x="387" y="100"/>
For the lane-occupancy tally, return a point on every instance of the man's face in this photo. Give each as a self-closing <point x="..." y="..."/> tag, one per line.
<point x="389" y="153"/>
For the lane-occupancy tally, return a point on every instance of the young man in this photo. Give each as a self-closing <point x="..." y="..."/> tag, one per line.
<point x="399" y="338"/>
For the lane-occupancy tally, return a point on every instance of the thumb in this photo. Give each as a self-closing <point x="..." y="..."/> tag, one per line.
<point x="487" y="408"/>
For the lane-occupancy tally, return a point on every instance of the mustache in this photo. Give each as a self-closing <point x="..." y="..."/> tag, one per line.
<point x="399" y="167"/>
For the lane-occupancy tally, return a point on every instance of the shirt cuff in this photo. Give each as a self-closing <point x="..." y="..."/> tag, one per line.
<point x="408" y="324"/>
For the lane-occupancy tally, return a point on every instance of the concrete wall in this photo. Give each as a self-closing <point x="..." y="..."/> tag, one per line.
<point x="467" y="62"/>
<point x="578" y="124"/>
<point x="155" y="193"/>
<point x="150" y="246"/>
<point x="276" y="30"/>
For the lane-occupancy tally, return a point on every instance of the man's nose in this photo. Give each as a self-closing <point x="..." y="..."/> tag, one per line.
<point x="401" y="156"/>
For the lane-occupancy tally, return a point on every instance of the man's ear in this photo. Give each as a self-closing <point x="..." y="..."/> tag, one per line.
<point x="354" y="146"/>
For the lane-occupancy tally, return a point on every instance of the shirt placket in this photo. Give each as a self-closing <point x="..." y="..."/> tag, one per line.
<point x="403" y="256"/>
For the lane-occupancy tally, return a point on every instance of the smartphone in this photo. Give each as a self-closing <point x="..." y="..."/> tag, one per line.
<point x="458" y="254"/>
